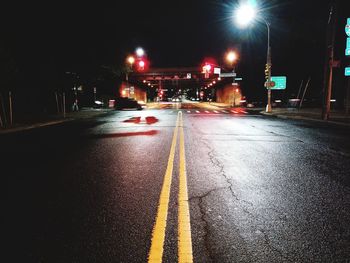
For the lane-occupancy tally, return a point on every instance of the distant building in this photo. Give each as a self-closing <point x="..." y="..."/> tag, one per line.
<point x="230" y="94"/>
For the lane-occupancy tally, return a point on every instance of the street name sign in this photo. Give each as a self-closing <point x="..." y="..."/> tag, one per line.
<point x="347" y="28"/>
<point x="227" y="75"/>
<point x="217" y="71"/>
<point x="280" y="82"/>
<point x="347" y="50"/>
<point x="347" y="71"/>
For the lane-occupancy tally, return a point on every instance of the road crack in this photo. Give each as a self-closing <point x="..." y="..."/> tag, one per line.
<point x="214" y="160"/>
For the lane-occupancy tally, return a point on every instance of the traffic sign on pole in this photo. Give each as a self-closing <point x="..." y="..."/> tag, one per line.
<point x="280" y="83"/>
<point x="347" y="72"/>
<point x="228" y="75"/>
<point x="347" y="30"/>
<point x="217" y="71"/>
<point x="347" y="50"/>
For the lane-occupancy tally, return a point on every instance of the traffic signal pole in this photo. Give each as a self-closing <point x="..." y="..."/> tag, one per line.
<point x="329" y="61"/>
<point x="268" y="63"/>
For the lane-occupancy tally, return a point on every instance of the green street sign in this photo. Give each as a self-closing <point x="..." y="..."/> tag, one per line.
<point x="347" y="30"/>
<point x="280" y="82"/>
<point x="347" y="71"/>
<point x="348" y="21"/>
<point x="347" y="50"/>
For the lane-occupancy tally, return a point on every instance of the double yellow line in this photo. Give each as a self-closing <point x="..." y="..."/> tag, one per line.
<point x="184" y="226"/>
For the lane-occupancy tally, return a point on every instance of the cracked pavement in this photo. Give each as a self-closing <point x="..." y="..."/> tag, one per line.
<point x="260" y="189"/>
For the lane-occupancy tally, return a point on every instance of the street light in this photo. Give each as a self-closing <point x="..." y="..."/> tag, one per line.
<point x="244" y="15"/>
<point x="231" y="57"/>
<point x="140" y="52"/>
<point x="131" y="61"/>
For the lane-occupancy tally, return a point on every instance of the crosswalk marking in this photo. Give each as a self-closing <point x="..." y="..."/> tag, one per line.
<point x="228" y="111"/>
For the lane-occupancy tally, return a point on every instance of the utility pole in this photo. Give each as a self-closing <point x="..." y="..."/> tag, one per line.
<point x="3" y="109"/>
<point x="64" y="105"/>
<point x="328" y="77"/>
<point x="348" y="97"/>
<point x="10" y="106"/>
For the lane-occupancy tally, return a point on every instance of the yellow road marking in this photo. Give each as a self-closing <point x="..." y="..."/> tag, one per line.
<point x="158" y="235"/>
<point x="184" y="227"/>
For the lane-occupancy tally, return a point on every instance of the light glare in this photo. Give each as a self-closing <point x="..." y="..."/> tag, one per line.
<point x="140" y="52"/>
<point x="245" y="14"/>
<point x="131" y="60"/>
<point x="231" y="56"/>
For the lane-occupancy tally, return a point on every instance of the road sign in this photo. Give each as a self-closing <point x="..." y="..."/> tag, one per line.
<point x="347" y="50"/>
<point x="217" y="71"/>
<point x="238" y="79"/>
<point x="347" y="71"/>
<point x="280" y="82"/>
<point x="348" y="21"/>
<point x="228" y="75"/>
<point x="347" y="30"/>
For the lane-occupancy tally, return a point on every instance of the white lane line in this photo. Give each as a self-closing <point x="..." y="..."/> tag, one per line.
<point x="216" y="111"/>
<point x="188" y="111"/>
<point x="197" y="111"/>
<point x="233" y="111"/>
<point x="224" y="111"/>
<point x="206" y="111"/>
<point x="244" y="111"/>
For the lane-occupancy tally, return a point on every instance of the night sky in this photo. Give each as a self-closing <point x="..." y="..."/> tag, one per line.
<point x="52" y="37"/>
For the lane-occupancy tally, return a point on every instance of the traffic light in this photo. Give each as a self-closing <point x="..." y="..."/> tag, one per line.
<point x="207" y="68"/>
<point x="141" y="65"/>
<point x="267" y="72"/>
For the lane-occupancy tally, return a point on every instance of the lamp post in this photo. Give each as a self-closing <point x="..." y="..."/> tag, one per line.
<point x="244" y="15"/>
<point x="131" y="61"/>
<point x="268" y="63"/>
<point x="231" y="57"/>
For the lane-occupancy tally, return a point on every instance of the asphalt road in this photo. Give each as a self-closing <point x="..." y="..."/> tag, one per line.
<point x="260" y="189"/>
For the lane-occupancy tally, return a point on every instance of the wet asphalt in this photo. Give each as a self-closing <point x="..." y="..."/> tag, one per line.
<point x="261" y="189"/>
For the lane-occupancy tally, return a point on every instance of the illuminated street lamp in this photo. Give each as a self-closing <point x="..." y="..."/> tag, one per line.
<point x="231" y="57"/>
<point x="243" y="16"/>
<point x="140" y="52"/>
<point x="131" y="60"/>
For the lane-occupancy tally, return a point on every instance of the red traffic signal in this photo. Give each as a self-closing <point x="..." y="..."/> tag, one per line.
<point x="207" y="68"/>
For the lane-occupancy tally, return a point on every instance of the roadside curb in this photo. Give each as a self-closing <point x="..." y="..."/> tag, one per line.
<point x="34" y="126"/>
<point x="44" y="124"/>
<point x="298" y="117"/>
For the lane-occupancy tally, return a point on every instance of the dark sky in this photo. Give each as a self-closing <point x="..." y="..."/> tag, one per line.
<point x="82" y="36"/>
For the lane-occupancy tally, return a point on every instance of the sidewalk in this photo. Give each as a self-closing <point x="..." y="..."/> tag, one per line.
<point x="336" y="117"/>
<point x="42" y="121"/>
